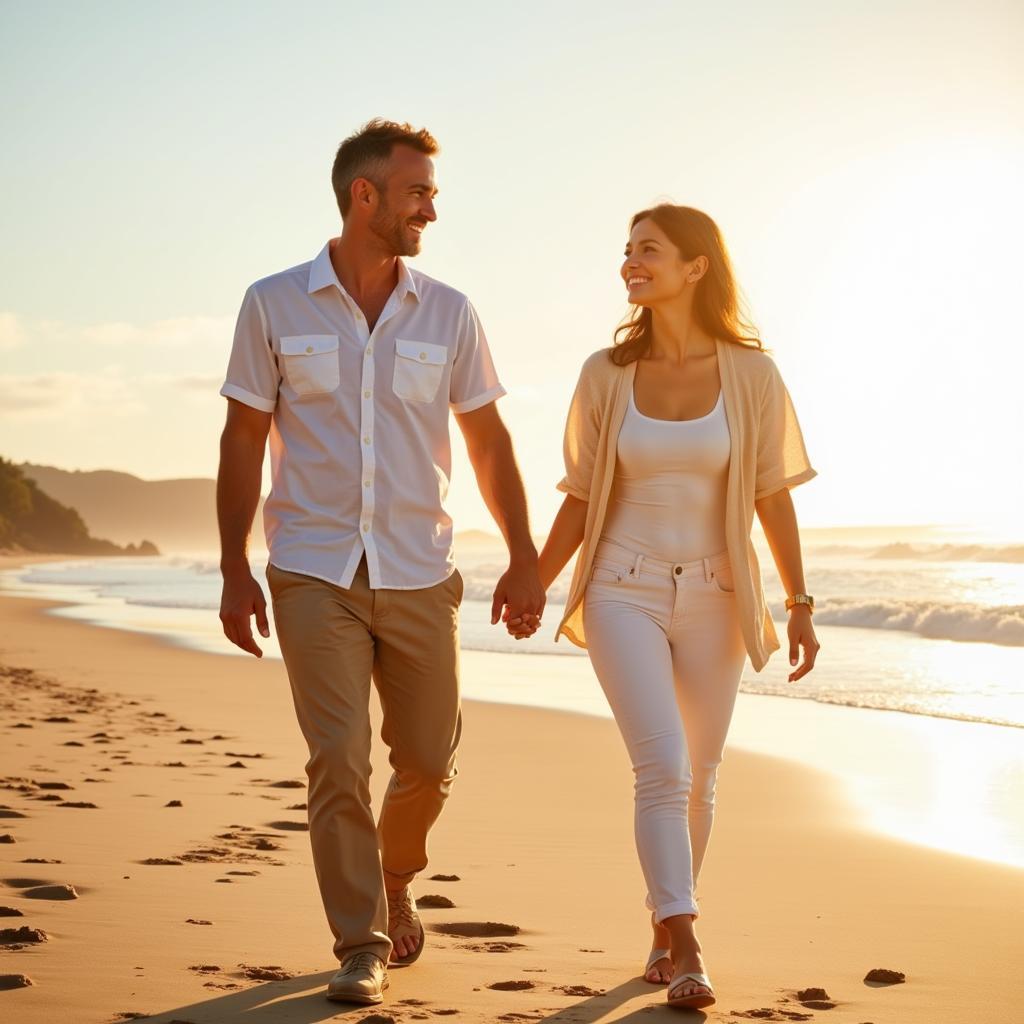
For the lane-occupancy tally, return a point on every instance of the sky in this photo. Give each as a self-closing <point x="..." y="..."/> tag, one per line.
<point x="862" y="160"/>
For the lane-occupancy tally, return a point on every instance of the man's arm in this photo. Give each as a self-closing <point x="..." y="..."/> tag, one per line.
<point x="490" y="451"/>
<point x="242" y="445"/>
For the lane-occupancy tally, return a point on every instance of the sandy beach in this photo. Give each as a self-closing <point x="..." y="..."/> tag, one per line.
<point x="148" y="778"/>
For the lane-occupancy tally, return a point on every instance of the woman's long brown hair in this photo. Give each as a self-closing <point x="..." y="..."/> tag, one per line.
<point x="716" y="305"/>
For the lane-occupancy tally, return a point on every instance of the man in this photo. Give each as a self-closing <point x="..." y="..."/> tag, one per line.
<point x="351" y="364"/>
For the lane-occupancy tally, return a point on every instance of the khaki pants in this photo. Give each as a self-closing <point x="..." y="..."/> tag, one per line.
<point x="333" y="641"/>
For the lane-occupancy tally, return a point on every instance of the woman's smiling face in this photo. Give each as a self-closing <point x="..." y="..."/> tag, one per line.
<point x="654" y="270"/>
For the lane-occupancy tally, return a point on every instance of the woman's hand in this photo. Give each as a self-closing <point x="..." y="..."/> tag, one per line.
<point x="801" y="634"/>
<point x="522" y="626"/>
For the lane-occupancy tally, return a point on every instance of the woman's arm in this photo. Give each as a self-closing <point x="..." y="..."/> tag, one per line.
<point x="778" y="518"/>
<point x="565" y="537"/>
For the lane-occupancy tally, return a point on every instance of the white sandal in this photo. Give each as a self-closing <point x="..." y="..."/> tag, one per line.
<point x="695" y="1000"/>
<point x="656" y="955"/>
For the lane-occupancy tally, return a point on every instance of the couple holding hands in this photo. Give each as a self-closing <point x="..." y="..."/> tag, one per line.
<point x="676" y="435"/>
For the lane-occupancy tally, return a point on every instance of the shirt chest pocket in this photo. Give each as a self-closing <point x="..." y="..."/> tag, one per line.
<point x="419" y="368"/>
<point x="310" y="363"/>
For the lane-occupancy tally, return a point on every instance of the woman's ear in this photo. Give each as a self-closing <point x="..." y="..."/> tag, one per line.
<point x="697" y="270"/>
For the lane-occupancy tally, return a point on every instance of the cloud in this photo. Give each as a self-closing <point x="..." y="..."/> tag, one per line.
<point x="204" y="332"/>
<point x="51" y="395"/>
<point x="12" y="334"/>
<point x="206" y="384"/>
<point x="176" y="332"/>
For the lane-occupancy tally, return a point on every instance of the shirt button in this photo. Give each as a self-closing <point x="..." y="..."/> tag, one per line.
<point x="366" y="483"/>
<point x="369" y="350"/>
<point x="366" y="394"/>
<point x="309" y="348"/>
<point x="423" y="355"/>
<point x="366" y="527"/>
<point x="366" y="439"/>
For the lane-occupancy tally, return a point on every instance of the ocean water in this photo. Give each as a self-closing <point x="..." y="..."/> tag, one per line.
<point x="934" y="628"/>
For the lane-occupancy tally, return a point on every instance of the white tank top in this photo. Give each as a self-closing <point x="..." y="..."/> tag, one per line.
<point x="668" y="496"/>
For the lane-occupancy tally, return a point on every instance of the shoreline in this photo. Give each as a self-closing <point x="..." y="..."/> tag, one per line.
<point x="538" y="829"/>
<point x="820" y="735"/>
<point x="992" y="700"/>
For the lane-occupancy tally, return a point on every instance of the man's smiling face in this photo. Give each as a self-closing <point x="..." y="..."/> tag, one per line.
<point x="406" y="201"/>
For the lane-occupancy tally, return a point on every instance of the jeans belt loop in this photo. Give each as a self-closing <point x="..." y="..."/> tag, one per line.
<point x="636" y="566"/>
<point x="708" y="574"/>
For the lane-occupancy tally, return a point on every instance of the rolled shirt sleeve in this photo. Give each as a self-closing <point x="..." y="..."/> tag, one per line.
<point x="474" y="381"/>
<point x="253" y="376"/>
<point x="782" y="459"/>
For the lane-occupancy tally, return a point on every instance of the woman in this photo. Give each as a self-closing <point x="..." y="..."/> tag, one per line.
<point x="675" y="437"/>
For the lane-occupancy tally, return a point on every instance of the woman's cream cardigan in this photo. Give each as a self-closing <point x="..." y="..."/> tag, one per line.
<point x="767" y="454"/>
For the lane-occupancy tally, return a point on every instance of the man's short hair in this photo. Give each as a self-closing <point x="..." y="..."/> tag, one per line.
<point x="365" y="154"/>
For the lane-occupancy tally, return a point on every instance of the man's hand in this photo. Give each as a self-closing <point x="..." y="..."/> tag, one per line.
<point x="242" y="598"/>
<point x="519" y="601"/>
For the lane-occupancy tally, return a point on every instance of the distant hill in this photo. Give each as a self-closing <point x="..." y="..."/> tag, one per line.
<point x="32" y="520"/>
<point x="179" y="515"/>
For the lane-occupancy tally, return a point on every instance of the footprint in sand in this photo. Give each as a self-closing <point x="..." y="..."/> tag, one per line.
<point x="434" y="902"/>
<point x="289" y="826"/>
<point x="767" y="1013"/>
<point x="520" y="985"/>
<point x="492" y="947"/>
<point x="815" y="999"/>
<point x="51" y="892"/>
<point x="270" y="972"/>
<point x="476" y="929"/>
<point x="15" y="981"/>
<point x="883" y="976"/>
<point x="18" y="938"/>
<point x="579" y="990"/>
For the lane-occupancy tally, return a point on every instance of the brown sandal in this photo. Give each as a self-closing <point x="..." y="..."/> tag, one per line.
<point x="402" y="912"/>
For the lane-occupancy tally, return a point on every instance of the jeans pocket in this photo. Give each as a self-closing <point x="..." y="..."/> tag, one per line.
<point x="605" y="574"/>
<point x="723" y="580"/>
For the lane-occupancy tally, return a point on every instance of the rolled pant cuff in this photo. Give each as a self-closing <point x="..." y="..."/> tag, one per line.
<point x="381" y="949"/>
<point x="393" y="881"/>
<point x="672" y="909"/>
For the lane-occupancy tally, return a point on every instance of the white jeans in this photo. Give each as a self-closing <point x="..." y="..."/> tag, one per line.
<point x="665" y="642"/>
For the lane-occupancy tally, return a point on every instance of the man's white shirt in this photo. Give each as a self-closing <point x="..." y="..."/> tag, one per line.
<point x="359" y="442"/>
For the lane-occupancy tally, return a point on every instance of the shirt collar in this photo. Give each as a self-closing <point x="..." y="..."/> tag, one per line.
<point x="322" y="275"/>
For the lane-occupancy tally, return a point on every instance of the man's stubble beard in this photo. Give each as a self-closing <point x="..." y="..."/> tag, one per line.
<point x="389" y="230"/>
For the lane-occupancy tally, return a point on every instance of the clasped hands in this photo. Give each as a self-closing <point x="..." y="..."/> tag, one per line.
<point x="519" y="601"/>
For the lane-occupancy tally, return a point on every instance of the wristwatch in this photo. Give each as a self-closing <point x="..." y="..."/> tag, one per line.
<point x="796" y="599"/>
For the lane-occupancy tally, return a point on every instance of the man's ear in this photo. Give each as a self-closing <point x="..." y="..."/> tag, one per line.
<point x="364" y="193"/>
